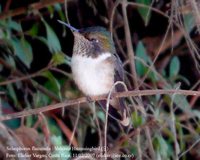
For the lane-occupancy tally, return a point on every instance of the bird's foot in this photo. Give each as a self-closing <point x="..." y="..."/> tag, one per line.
<point x="89" y="99"/>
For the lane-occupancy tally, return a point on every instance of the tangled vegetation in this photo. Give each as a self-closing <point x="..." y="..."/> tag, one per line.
<point x="44" y="115"/>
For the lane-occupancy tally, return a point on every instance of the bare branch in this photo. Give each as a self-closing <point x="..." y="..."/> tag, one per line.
<point x="131" y="53"/>
<point x="34" y="6"/>
<point x="103" y="97"/>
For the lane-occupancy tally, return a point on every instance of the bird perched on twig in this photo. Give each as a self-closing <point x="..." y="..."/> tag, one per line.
<point x="96" y="67"/>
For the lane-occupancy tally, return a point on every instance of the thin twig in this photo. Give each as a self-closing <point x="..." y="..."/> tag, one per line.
<point x="112" y="16"/>
<point x="131" y="56"/>
<point x="69" y="75"/>
<point x="149" y="139"/>
<point x="75" y="125"/>
<point x="173" y="124"/>
<point x="38" y="73"/>
<point x="103" y="97"/>
<point x="139" y="151"/>
<point x="195" y="10"/>
<point x="192" y="146"/>
<point x="7" y="6"/>
<point x="66" y="12"/>
<point x="33" y="6"/>
<point x="131" y="53"/>
<point x="157" y="55"/>
<point x="30" y="82"/>
<point x="136" y="131"/>
<point x="99" y="132"/>
<point x="148" y="7"/>
<point x="45" y="128"/>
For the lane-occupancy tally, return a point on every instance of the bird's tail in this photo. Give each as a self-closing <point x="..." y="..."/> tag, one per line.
<point x="118" y="113"/>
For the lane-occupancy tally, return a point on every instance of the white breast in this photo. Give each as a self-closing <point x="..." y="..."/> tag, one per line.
<point x="94" y="76"/>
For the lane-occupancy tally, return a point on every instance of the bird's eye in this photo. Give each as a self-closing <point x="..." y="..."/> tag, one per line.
<point x="94" y="40"/>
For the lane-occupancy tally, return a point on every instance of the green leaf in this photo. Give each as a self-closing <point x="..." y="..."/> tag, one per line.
<point x="7" y="109"/>
<point x="29" y="121"/>
<point x="174" y="67"/>
<point x="52" y="39"/>
<point x="23" y="50"/>
<point x="59" y="59"/>
<point x="101" y="115"/>
<point x="144" y="11"/>
<point x="64" y="152"/>
<point x="196" y="113"/>
<point x="182" y="103"/>
<point x="137" y="119"/>
<point x="42" y="39"/>
<point x="12" y="93"/>
<point x="61" y="14"/>
<point x="141" y="69"/>
<point x="14" y="25"/>
<point x="9" y="59"/>
<point x="56" y="140"/>
<point x="40" y="99"/>
<point x="141" y="53"/>
<point x="52" y="83"/>
<point x="181" y="136"/>
<point x="34" y="30"/>
<point x="183" y="79"/>
<point x="161" y="147"/>
<point x="51" y="11"/>
<point x="57" y="7"/>
<point x="134" y="150"/>
<point x="189" y="22"/>
<point x="53" y="127"/>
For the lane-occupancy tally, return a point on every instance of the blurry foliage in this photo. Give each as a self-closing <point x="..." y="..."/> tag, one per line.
<point x="19" y="51"/>
<point x="145" y="12"/>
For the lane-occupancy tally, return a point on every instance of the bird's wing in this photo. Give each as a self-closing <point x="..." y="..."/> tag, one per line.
<point x="119" y="71"/>
<point x="117" y="108"/>
<point x="119" y="76"/>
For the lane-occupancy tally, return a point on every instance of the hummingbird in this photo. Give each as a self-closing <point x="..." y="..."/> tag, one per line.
<point x="96" y="67"/>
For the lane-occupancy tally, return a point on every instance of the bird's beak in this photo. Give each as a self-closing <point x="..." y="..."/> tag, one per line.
<point x="69" y="26"/>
